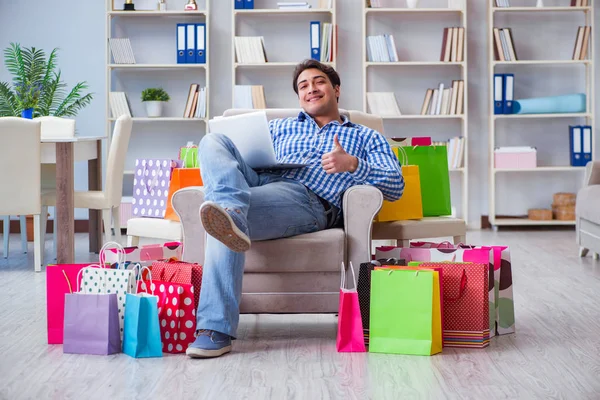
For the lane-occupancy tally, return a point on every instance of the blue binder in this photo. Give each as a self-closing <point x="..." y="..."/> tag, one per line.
<point x="238" y="4"/>
<point x="509" y="93"/>
<point x="181" y="45"/>
<point x="498" y="94"/>
<point x="201" y="43"/>
<point x="576" y="145"/>
<point x="190" y="43"/>
<point x="586" y="153"/>
<point x="315" y="40"/>
<point x="249" y="4"/>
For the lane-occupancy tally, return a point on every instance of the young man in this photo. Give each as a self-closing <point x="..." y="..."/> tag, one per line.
<point x="243" y="205"/>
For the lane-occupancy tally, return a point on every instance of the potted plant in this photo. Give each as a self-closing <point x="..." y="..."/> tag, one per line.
<point x="154" y="99"/>
<point x="37" y="86"/>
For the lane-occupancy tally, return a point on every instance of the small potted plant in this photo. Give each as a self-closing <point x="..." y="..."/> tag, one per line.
<point x="154" y="99"/>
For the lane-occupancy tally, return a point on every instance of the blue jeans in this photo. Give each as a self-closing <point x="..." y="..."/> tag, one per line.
<point x="269" y="206"/>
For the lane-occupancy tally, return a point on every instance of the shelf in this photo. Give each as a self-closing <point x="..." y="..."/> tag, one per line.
<point x="412" y="10"/>
<point x="541" y="169"/>
<point x="157" y="66"/>
<point x="271" y="65"/>
<point x="526" y="221"/>
<point x="539" y="9"/>
<point x="418" y="116"/>
<point x="542" y="62"/>
<point x="164" y="119"/>
<point x="556" y="115"/>
<point x="154" y="13"/>
<point x="413" y="63"/>
<point x="267" y="11"/>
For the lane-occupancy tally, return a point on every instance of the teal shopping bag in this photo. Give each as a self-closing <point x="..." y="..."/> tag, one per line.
<point x="434" y="176"/>
<point x="141" y="336"/>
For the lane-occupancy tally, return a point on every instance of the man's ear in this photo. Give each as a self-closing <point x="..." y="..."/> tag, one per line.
<point x="336" y="89"/>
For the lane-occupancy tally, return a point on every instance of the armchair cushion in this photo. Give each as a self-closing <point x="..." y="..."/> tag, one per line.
<point x="588" y="206"/>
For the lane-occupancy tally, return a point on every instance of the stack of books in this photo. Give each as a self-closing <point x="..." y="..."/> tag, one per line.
<point x="456" y="149"/>
<point x="195" y="106"/>
<point x="383" y="104"/>
<point x="381" y="48"/>
<point x="249" y="96"/>
<point x="445" y="100"/>
<point x="326" y="53"/>
<point x="580" y="3"/>
<point x="453" y="44"/>
<point x="580" y="52"/>
<point x="504" y="47"/>
<point x="250" y="50"/>
<point x="373" y="3"/>
<point x="118" y="104"/>
<point x="121" y="51"/>
<point x="502" y="3"/>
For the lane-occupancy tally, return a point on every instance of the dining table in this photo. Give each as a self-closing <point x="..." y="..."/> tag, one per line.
<point x="64" y="152"/>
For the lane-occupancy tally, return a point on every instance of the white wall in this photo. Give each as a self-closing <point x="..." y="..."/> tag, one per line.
<point x="77" y="27"/>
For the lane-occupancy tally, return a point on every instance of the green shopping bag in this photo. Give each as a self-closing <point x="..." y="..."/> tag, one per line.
<point x="405" y="312"/>
<point x="434" y="175"/>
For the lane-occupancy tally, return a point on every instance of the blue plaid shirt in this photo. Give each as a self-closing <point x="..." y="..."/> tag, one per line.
<point x="300" y="140"/>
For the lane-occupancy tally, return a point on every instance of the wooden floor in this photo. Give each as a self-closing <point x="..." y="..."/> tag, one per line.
<point x="554" y="354"/>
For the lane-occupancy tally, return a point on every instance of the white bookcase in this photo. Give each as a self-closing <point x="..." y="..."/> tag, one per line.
<point x="286" y="36"/>
<point x="418" y="35"/>
<point x="544" y="57"/>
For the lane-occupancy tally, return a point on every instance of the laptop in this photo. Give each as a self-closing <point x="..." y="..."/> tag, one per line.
<point x="250" y="134"/>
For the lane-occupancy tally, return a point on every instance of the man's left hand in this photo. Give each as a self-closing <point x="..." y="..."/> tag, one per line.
<point x="338" y="160"/>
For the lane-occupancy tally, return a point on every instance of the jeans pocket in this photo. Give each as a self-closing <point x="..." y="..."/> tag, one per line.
<point x="300" y="229"/>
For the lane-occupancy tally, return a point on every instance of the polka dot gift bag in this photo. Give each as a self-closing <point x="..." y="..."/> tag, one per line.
<point x="108" y="280"/>
<point x="176" y="313"/>
<point x="151" y="186"/>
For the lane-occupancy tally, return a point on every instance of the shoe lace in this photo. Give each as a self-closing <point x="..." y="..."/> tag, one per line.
<point x="203" y="332"/>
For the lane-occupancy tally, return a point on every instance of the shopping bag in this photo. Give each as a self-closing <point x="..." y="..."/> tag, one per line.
<point x="434" y="177"/>
<point x="364" y="290"/>
<point x="181" y="178"/>
<point x="405" y="312"/>
<point x="91" y="323"/>
<point x="151" y="186"/>
<point x="189" y="156"/>
<point x="60" y="280"/>
<point x="350" y="329"/>
<point x="143" y="254"/>
<point x="180" y="272"/>
<point x="410" y="205"/>
<point x="466" y="310"/>
<point x="480" y="255"/>
<point x="141" y="335"/>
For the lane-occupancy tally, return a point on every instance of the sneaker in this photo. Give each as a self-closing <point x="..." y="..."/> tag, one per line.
<point x="209" y="344"/>
<point x="225" y="227"/>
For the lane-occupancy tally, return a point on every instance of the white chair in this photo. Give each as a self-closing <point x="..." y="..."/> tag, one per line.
<point x="6" y="233"/>
<point x="109" y="199"/>
<point x="20" y="175"/>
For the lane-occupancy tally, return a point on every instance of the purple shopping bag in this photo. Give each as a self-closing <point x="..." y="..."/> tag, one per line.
<point x="151" y="186"/>
<point x="91" y="324"/>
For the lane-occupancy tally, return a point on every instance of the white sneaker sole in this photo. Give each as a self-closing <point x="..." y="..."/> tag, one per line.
<point x="218" y="224"/>
<point x="194" y="352"/>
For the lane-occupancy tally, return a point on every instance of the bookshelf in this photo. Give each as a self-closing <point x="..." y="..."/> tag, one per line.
<point x="286" y="39"/>
<point x="539" y="63"/>
<point x="153" y="37"/>
<point x="419" y="68"/>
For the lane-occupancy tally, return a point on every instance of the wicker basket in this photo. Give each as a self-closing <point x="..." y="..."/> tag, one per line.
<point x="564" y="199"/>
<point x="540" y="214"/>
<point x="563" y="213"/>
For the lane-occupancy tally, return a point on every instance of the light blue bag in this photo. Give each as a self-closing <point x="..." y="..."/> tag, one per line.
<point x="570" y="103"/>
<point x="141" y="336"/>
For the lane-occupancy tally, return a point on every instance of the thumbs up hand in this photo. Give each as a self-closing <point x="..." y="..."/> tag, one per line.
<point x="337" y="160"/>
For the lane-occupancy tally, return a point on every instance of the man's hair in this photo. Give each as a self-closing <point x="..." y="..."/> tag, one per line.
<point x="333" y="76"/>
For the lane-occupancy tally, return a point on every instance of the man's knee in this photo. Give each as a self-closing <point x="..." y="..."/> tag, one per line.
<point x="209" y="141"/>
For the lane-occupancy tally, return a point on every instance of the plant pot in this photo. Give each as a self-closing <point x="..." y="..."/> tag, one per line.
<point x="154" y="109"/>
<point x="412" y="3"/>
<point x="28" y="113"/>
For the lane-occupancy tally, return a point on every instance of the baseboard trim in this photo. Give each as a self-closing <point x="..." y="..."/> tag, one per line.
<point x="81" y="226"/>
<point x="485" y="224"/>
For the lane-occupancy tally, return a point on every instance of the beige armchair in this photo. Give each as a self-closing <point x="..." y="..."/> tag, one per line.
<point x="588" y="211"/>
<point x="299" y="274"/>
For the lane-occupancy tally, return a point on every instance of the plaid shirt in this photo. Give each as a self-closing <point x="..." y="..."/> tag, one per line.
<point x="300" y="140"/>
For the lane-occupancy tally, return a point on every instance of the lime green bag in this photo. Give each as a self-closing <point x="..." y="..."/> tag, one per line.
<point x="405" y="312"/>
<point x="434" y="175"/>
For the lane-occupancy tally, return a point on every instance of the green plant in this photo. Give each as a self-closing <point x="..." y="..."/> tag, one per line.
<point x="37" y="84"/>
<point x="155" y="94"/>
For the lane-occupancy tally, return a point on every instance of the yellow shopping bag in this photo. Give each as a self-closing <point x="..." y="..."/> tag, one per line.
<point x="409" y="206"/>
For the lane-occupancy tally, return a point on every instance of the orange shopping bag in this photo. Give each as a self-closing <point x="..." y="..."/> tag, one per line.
<point x="181" y="178"/>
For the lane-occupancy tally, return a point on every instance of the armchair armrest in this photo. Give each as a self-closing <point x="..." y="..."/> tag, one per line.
<point x="186" y="203"/>
<point x="592" y="173"/>
<point x="360" y="204"/>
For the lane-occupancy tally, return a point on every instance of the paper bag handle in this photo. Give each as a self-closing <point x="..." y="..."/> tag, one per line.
<point x="120" y="254"/>
<point x="152" y="286"/>
<point x="89" y="266"/>
<point x="344" y="276"/>
<point x="462" y="288"/>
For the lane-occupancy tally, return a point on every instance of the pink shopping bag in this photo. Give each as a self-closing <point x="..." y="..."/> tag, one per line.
<point x="350" y="330"/>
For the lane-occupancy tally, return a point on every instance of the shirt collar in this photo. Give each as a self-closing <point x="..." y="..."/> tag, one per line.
<point x="303" y="116"/>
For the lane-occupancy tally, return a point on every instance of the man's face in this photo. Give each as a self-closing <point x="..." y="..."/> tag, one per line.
<point x="316" y="94"/>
